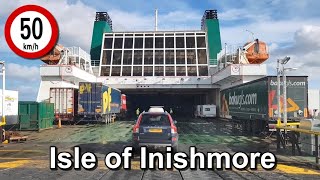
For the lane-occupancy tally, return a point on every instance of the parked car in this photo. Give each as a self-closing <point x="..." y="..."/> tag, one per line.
<point x="156" y="130"/>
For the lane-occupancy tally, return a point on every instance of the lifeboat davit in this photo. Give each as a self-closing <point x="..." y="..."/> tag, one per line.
<point x="257" y="53"/>
<point x="54" y="56"/>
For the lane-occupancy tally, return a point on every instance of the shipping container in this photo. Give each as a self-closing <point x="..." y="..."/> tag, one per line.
<point x="98" y="100"/>
<point x="11" y="107"/>
<point x="65" y="102"/>
<point x="35" y="116"/>
<point x="314" y="102"/>
<point x="257" y="100"/>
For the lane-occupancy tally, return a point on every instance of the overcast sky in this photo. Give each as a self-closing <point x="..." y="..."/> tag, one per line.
<point x="291" y="28"/>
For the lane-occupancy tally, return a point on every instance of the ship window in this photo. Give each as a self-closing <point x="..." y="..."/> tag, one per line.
<point x="115" y="71"/>
<point x="170" y="57"/>
<point x="148" y="57"/>
<point x="203" y="70"/>
<point x="128" y="43"/>
<point x="137" y="71"/>
<point x="148" y="43"/>
<point x="106" y="57"/>
<point x="118" y="43"/>
<point x="159" y="42"/>
<point x="201" y="43"/>
<point x="159" y="57"/>
<point x="117" y="57"/>
<point x="138" y="43"/>
<point x="202" y="56"/>
<point x="179" y="34"/>
<point x="108" y="43"/>
<point x="105" y="71"/>
<point x="180" y="57"/>
<point x="192" y="71"/>
<point x="181" y="71"/>
<point x="126" y="71"/>
<point x="158" y="70"/>
<point x="127" y="57"/>
<point x="137" y="57"/>
<point x="169" y="42"/>
<point x="170" y="71"/>
<point x="179" y="42"/>
<point x="148" y="71"/>
<point x="190" y="42"/>
<point x="191" y="56"/>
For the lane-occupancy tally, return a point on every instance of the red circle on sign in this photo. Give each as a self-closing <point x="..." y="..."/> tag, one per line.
<point x="54" y="28"/>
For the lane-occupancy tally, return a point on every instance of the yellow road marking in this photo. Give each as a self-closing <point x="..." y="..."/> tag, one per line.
<point x="16" y="150"/>
<point x="13" y="164"/>
<point x="135" y="165"/>
<point x="44" y="164"/>
<point x="295" y="170"/>
<point x="9" y="158"/>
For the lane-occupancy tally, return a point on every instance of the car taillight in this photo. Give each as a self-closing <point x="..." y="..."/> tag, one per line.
<point x="136" y="129"/>
<point x="173" y="129"/>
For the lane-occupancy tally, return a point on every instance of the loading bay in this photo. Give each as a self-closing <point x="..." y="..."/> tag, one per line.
<point x="30" y="159"/>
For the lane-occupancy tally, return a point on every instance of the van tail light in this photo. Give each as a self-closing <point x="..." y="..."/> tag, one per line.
<point x="173" y="129"/>
<point x="136" y="129"/>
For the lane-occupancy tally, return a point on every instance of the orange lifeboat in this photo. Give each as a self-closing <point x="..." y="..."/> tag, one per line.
<point x="54" y="56"/>
<point x="257" y="53"/>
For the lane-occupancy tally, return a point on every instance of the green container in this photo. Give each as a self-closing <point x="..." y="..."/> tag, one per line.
<point x="35" y="116"/>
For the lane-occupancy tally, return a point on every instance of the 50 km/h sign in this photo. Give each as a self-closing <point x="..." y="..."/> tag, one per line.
<point x="31" y="31"/>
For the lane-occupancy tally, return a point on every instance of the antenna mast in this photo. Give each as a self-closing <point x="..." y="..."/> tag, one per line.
<point x="156" y="20"/>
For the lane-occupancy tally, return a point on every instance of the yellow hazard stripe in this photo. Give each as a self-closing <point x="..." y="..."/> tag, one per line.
<point x="295" y="170"/>
<point x="13" y="164"/>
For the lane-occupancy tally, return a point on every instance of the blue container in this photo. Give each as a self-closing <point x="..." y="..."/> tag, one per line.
<point x="98" y="99"/>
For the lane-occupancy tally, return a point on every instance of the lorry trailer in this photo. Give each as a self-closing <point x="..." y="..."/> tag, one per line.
<point x="65" y="102"/>
<point x="10" y="107"/>
<point x="255" y="103"/>
<point x="97" y="101"/>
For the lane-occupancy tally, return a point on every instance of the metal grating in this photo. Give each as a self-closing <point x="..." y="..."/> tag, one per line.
<point x="208" y="14"/>
<point x="104" y="16"/>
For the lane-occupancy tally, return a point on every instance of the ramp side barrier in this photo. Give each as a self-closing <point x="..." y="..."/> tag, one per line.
<point x="291" y="133"/>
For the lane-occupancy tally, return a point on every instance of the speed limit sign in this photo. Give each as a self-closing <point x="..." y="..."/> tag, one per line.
<point x="31" y="31"/>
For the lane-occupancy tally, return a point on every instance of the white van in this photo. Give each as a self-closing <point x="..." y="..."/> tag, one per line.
<point x="207" y="110"/>
<point x="156" y="109"/>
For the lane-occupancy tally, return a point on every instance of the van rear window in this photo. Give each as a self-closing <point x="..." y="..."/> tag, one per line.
<point x="155" y="120"/>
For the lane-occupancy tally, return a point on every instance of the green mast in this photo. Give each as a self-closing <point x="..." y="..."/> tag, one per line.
<point x="102" y="24"/>
<point x="210" y="23"/>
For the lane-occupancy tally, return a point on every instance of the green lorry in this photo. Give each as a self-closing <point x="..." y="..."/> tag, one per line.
<point x="255" y="103"/>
